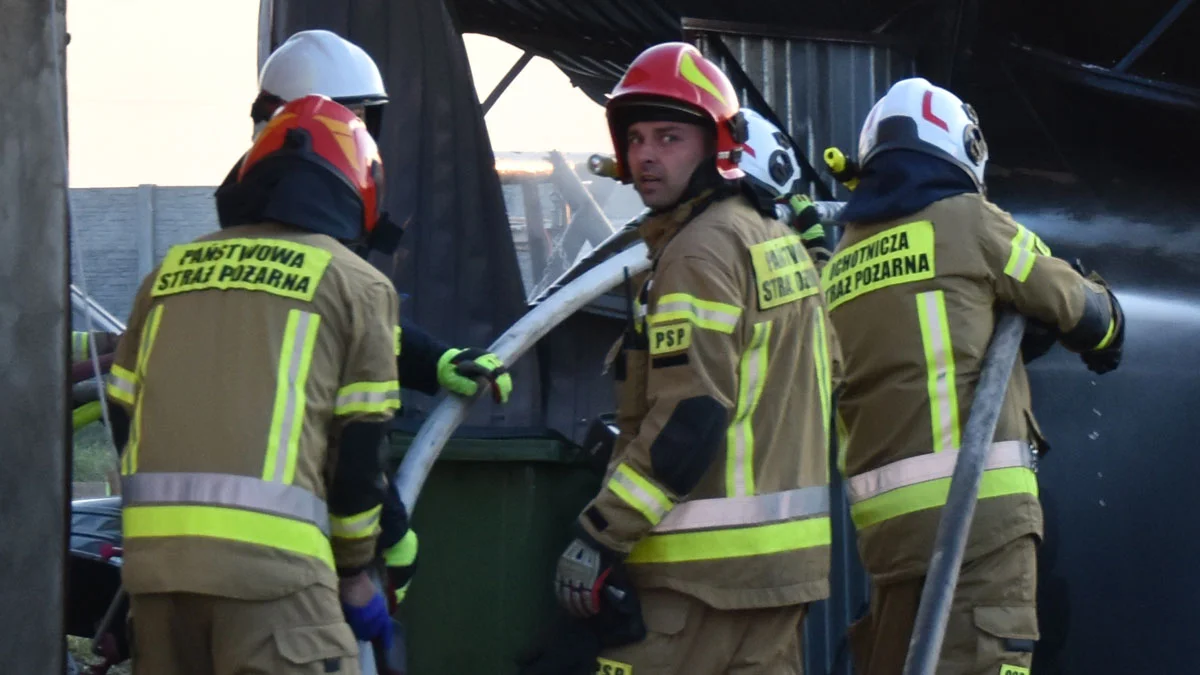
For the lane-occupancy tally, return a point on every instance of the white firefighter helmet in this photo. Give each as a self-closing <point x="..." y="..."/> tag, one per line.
<point x="321" y="62"/>
<point x="917" y="115"/>
<point x="318" y="62"/>
<point x="768" y="160"/>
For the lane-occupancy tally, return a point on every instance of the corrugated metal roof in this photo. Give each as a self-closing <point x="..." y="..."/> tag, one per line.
<point x="821" y="88"/>
<point x="594" y="41"/>
<point x="591" y="42"/>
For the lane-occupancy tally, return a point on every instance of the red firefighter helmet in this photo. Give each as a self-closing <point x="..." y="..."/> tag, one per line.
<point x="676" y="75"/>
<point x="325" y="133"/>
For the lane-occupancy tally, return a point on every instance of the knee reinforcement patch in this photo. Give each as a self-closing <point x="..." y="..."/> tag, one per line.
<point x="688" y="443"/>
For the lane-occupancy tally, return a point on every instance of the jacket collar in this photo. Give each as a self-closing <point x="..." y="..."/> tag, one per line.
<point x="658" y="229"/>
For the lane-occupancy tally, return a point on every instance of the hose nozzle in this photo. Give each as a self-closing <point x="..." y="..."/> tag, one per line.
<point x="603" y="165"/>
<point x="843" y="169"/>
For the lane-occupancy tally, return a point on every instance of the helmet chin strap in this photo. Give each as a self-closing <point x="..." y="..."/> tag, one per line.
<point x="704" y="177"/>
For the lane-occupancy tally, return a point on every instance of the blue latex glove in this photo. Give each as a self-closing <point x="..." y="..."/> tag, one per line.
<point x="371" y="622"/>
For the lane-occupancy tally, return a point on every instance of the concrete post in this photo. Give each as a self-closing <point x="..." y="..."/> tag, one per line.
<point x="34" y="346"/>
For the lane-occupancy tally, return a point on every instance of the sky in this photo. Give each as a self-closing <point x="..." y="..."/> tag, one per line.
<point x="151" y="103"/>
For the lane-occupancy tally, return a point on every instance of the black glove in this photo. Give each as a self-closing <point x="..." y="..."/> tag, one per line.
<point x="1101" y="361"/>
<point x="571" y="646"/>
<point x="1039" y="338"/>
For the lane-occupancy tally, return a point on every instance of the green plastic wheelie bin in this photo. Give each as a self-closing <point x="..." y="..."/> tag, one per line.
<point x="492" y="519"/>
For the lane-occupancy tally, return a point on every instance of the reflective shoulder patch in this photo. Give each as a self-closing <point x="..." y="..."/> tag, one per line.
<point x="274" y="266"/>
<point x="898" y="255"/>
<point x="673" y="337"/>
<point x="610" y="667"/>
<point x="783" y="272"/>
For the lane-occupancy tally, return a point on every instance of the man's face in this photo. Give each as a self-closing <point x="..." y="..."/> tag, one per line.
<point x="662" y="157"/>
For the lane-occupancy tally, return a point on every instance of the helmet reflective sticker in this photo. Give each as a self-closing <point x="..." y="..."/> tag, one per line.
<point x="916" y="115"/>
<point x="691" y="73"/>
<point x="769" y="162"/>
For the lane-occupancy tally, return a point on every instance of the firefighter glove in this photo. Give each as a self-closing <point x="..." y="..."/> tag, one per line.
<point x="807" y="221"/>
<point x="1101" y="361"/>
<point x="371" y="622"/>
<point x="460" y="369"/>
<point x="583" y="569"/>
<point x="401" y="561"/>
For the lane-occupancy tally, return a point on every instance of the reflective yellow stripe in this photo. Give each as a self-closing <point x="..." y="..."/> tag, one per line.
<point x="357" y="526"/>
<point x="367" y="397"/>
<point x="940" y="371"/>
<point x="79" y="345"/>
<point x="815" y="232"/>
<point x="287" y="420"/>
<point x="1026" y="246"/>
<point x="215" y="522"/>
<point x="707" y="314"/>
<point x="1108" y="336"/>
<point x="824" y="383"/>
<point x="633" y="489"/>
<point x="85" y="414"/>
<point x="129" y="462"/>
<point x="932" y="494"/>
<point x="739" y="439"/>
<point x="403" y="553"/>
<point x="396" y="333"/>
<point x="122" y="385"/>
<point x="733" y="543"/>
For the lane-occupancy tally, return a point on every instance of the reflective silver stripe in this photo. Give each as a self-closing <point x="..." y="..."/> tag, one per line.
<point x="651" y="506"/>
<point x="752" y="374"/>
<point x="79" y="346"/>
<point x="293" y="402"/>
<point x="702" y="314"/>
<point x="922" y="468"/>
<point x="944" y="396"/>
<point x="373" y="398"/>
<point x="763" y="509"/>
<point x="353" y="526"/>
<point x="217" y="489"/>
<point x="1024" y="244"/>
<point x="122" y="385"/>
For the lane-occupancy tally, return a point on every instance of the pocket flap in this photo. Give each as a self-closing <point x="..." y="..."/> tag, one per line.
<point x="306" y="644"/>
<point x="1008" y="623"/>
<point x="665" y="612"/>
<point x="1040" y="445"/>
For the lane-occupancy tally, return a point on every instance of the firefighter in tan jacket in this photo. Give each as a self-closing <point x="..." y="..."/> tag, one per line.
<point x="913" y="290"/>
<point x="716" y="500"/>
<point x="246" y="351"/>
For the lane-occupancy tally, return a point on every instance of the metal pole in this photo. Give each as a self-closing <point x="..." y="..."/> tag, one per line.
<point x="101" y="316"/>
<point x="34" y="420"/>
<point x="930" y="627"/>
<point x="508" y="78"/>
<point x="1152" y="37"/>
